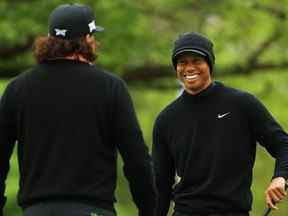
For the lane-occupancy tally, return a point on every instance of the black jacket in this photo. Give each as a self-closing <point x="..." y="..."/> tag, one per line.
<point x="69" y="118"/>
<point x="209" y="141"/>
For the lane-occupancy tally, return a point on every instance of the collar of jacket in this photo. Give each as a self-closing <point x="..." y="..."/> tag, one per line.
<point x="203" y="95"/>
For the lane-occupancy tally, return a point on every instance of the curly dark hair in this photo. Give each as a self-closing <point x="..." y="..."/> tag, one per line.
<point x="49" y="48"/>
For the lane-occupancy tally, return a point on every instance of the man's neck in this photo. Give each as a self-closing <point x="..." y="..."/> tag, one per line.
<point x="199" y="90"/>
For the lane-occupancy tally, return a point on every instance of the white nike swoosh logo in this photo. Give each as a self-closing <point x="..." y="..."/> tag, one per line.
<point x="223" y="115"/>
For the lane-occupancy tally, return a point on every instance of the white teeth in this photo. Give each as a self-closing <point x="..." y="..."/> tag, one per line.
<point x="190" y="77"/>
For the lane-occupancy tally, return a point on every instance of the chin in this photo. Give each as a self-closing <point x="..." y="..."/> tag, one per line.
<point x="194" y="88"/>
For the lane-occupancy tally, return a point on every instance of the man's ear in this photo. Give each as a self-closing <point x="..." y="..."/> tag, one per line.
<point x="88" y="37"/>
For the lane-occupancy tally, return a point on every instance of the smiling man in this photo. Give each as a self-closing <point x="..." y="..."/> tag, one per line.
<point x="207" y="138"/>
<point x="193" y="71"/>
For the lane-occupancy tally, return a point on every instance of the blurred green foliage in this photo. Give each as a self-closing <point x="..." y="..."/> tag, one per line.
<point x="141" y="32"/>
<point x="271" y="88"/>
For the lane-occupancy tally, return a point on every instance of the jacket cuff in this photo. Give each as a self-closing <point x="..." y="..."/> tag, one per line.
<point x="281" y="174"/>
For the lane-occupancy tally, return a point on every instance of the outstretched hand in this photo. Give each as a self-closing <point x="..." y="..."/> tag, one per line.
<point x="275" y="192"/>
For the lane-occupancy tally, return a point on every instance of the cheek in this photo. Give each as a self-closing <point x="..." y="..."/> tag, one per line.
<point x="207" y="74"/>
<point x="179" y="69"/>
<point x="179" y="73"/>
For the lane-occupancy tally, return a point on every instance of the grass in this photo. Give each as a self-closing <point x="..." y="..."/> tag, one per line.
<point x="271" y="88"/>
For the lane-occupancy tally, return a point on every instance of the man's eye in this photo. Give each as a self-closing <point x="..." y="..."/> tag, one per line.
<point x="198" y="60"/>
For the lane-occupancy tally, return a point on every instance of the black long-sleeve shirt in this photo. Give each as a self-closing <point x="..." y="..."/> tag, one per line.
<point x="69" y="118"/>
<point x="209" y="141"/>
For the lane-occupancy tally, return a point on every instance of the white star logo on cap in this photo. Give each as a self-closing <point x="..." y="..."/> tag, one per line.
<point x="92" y="26"/>
<point x="61" y="32"/>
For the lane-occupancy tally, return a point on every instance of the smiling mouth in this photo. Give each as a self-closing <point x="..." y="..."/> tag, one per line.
<point x="190" y="77"/>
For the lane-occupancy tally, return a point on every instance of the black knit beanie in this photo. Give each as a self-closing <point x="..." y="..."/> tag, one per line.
<point x="196" y="43"/>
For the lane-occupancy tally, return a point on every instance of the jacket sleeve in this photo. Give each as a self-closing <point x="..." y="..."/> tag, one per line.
<point x="269" y="134"/>
<point x="137" y="161"/>
<point x="7" y="138"/>
<point x="164" y="170"/>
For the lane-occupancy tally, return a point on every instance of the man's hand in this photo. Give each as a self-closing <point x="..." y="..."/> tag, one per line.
<point x="275" y="192"/>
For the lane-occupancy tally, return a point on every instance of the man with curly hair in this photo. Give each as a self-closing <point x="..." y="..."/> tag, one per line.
<point x="70" y="118"/>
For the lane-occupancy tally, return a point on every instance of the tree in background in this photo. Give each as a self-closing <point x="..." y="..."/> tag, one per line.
<point x="250" y="35"/>
<point x="136" y="44"/>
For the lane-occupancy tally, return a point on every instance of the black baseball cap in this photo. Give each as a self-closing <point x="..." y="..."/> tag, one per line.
<point x="196" y="43"/>
<point x="72" y="21"/>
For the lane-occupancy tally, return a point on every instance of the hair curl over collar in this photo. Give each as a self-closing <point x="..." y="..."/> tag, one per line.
<point x="49" y="48"/>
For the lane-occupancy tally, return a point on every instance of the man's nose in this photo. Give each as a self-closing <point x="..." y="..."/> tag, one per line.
<point x="190" y="66"/>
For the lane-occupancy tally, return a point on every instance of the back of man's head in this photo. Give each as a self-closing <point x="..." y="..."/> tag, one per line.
<point x="69" y="26"/>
